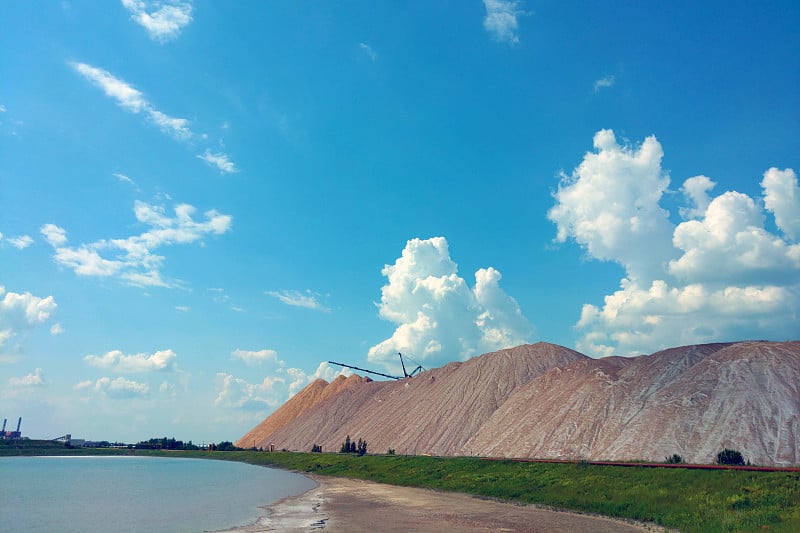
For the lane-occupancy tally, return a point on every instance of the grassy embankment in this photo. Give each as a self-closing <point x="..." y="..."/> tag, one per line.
<point x="687" y="500"/>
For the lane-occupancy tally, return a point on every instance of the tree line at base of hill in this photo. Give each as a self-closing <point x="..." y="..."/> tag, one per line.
<point x="349" y="446"/>
<point x="165" y="443"/>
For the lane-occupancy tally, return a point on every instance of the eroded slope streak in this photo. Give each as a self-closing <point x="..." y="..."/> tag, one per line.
<point x="694" y="401"/>
<point x="435" y="412"/>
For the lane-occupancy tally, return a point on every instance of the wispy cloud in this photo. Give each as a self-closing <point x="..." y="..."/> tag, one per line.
<point x="20" y="242"/>
<point x="501" y="20"/>
<point x="162" y="20"/>
<point x="9" y="125"/>
<point x="220" y="161"/>
<point x="298" y="299"/>
<point x="219" y="295"/>
<point x="133" y="100"/>
<point x="604" y="83"/>
<point x="126" y="96"/>
<point x="177" y="127"/>
<point x="367" y="49"/>
<point x="256" y="357"/>
<point x="125" y="179"/>
<point x="132" y="259"/>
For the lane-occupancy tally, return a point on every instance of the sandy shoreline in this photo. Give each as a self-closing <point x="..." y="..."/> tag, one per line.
<point x="341" y="504"/>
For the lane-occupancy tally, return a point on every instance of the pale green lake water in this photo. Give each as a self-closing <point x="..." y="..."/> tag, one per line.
<point x="127" y="494"/>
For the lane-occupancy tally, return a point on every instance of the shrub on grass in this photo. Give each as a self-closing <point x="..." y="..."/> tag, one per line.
<point x="730" y="457"/>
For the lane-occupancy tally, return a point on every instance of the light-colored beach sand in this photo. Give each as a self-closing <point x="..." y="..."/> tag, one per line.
<point x="348" y="505"/>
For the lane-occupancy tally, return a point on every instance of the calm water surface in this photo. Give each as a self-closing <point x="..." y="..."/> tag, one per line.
<point x="95" y="494"/>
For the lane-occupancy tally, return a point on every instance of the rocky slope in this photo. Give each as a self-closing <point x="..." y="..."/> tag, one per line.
<point x="547" y="401"/>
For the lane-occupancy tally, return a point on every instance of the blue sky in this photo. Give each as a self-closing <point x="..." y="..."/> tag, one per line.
<point x="202" y="202"/>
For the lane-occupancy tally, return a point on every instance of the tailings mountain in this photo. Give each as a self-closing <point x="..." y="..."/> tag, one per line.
<point x="546" y="401"/>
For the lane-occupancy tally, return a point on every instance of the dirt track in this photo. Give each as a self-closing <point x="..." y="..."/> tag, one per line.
<point x="340" y="505"/>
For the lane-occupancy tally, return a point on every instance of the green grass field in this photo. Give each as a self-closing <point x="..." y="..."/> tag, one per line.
<point x="686" y="500"/>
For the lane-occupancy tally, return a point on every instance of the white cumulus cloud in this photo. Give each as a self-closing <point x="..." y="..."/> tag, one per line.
<point x="642" y="319"/>
<point x="272" y="391"/>
<point x="133" y="258"/>
<point x="27" y="307"/>
<point x="439" y="317"/>
<point x="610" y="206"/>
<point x="782" y="198"/>
<point x="54" y="235"/>
<point x="20" y="313"/>
<point x="31" y="380"/>
<point x="162" y="20"/>
<point x="730" y="244"/>
<point x="238" y="393"/>
<point x="719" y="275"/>
<point x="121" y="363"/>
<point x="501" y="19"/>
<point x="696" y="192"/>
<point x="119" y="388"/>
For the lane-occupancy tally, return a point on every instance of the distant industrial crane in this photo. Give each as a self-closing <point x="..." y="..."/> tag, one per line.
<point x="406" y="374"/>
<point x="11" y="434"/>
<point x="402" y="363"/>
